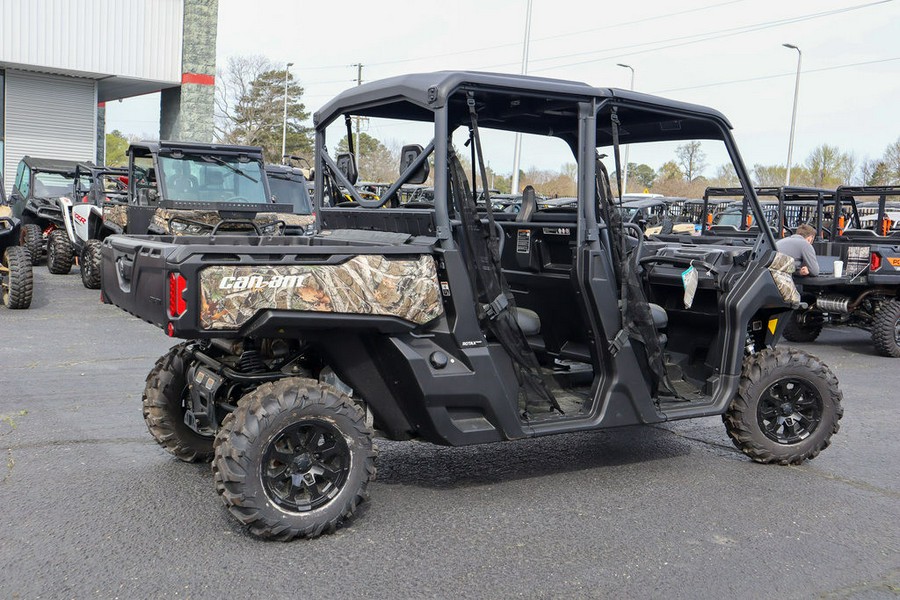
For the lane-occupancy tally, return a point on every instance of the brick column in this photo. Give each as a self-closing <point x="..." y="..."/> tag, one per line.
<point x="186" y="112"/>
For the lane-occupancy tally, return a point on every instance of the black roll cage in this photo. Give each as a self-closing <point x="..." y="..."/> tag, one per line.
<point x="583" y="141"/>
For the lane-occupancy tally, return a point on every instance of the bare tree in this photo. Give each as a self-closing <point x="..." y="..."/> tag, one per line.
<point x="891" y="160"/>
<point x="233" y="84"/>
<point x="691" y="159"/>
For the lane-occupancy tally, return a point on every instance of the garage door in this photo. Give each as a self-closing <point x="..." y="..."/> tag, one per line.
<point x="48" y="116"/>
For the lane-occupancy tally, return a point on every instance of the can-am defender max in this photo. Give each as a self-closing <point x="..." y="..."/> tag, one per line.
<point x="455" y="327"/>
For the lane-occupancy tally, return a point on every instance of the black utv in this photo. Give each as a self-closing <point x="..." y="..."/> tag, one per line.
<point x="864" y="292"/>
<point x="454" y="326"/>
<point x="15" y="268"/>
<point x="38" y="185"/>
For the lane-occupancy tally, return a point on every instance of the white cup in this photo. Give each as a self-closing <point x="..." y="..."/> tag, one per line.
<point x="838" y="268"/>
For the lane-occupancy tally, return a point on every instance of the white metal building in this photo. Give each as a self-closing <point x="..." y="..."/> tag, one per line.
<point x="62" y="59"/>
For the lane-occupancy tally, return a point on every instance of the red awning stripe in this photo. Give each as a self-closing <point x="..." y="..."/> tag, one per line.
<point x="198" y="79"/>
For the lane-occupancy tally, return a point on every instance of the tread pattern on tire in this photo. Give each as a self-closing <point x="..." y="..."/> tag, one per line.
<point x="741" y="415"/>
<point x="60" y="253"/>
<point x="884" y="327"/>
<point x="794" y="331"/>
<point x="232" y="465"/>
<point x="19" y="279"/>
<point x="32" y="239"/>
<point x="90" y="264"/>
<point x="167" y="427"/>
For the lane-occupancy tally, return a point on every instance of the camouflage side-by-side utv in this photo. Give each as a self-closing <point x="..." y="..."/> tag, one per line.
<point x="15" y="269"/>
<point x="457" y="327"/>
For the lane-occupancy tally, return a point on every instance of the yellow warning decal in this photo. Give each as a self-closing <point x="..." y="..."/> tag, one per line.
<point x="773" y="323"/>
<point x="895" y="262"/>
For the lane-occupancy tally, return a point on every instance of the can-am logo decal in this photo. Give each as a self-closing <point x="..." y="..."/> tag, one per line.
<point x="252" y="282"/>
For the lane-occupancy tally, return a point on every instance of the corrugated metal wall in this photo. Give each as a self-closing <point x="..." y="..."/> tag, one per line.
<point x="48" y="116"/>
<point x="130" y="38"/>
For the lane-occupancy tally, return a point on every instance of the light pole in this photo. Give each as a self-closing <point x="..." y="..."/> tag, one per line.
<point x="787" y="177"/>
<point x="284" y="121"/>
<point x="625" y="177"/>
<point x="517" y="152"/>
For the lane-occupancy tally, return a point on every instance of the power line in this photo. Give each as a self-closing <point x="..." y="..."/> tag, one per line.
<point x="560" y="35"/>
<point x="789" y="74"/>
<point x="721" y="33"/>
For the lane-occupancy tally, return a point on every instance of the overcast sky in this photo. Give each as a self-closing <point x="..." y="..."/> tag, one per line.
<point x="726" y="54"/>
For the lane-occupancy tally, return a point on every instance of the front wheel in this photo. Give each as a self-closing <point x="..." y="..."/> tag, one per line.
<point x="60" y="253"/>
<point x="787" y="407"/>
<point x="886" y="329"/>
<point x="294" y="459"/>
<point x="32" y="239"/>
<point x="16" y="278"/>
<point x="90" y="264"/>
<point x="165" y="401"/>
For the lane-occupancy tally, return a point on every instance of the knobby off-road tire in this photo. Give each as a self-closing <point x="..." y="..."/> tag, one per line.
<point x="17" y="278"/>
<point x="797" y="330"/>
<point x="787" y="408"/>
<point x="294" y="459"/>
<point x="90" y="264"/>
<point x="60" y="253"/>
<point x="32" y="238"/>
<point x="165" y="399"/>
<point x="886" y="329"/>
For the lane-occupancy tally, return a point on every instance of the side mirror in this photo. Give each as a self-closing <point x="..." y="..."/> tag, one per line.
<point x="147" y="196"/>
<point x="408" y="155"/>
<point x="347" y="166"/>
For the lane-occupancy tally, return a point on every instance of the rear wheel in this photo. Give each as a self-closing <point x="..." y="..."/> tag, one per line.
<point x="90" y="264"/>
<point x="886" y="329"/>
<point x="166" y="399"/>
<point x="32" y="239"/>
<point x="803" y="326"/>
<point x="294" y="459"/>
<point x="16" y="277"/>
<point x="787" y="408"/>
<point x="60" y="253"/>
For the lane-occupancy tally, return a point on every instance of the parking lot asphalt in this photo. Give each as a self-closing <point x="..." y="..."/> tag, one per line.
<point x="93" y="508"/>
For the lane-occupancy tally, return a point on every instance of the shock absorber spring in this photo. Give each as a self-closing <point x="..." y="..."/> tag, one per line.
<point x="251" y="361"/>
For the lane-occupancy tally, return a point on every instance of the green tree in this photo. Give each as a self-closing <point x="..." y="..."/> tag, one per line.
<point x="250" y="108"/>
<point x="669" y="170"/>
<point x="891" y="160"/>
<point x="377" y="162"/>
<point x="829" y="167"/>
<point x="726" y="176"/>
<point x="116" y="149"/>
<point x="642" y="174"/>
<point x="691" y="159"/>
<point x="874" y="172"/>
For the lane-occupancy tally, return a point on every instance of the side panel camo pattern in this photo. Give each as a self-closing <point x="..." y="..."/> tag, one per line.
<point x="162" y="216"/>
<point x="117" y="214"/>
<point x="781" y="269"/>
<point x="367" y="284"/>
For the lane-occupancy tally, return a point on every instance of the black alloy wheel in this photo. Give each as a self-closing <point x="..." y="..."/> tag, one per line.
<point x="789" y="410"/>
<point x="305" y="465"/>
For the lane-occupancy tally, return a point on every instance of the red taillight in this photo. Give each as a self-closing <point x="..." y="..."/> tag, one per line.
<point x="177" y="303"/>
<point x="874" y="261"/>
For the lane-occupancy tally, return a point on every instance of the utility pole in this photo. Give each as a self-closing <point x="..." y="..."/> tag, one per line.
<point x="517" y="154"/>
<point x="284" y="121"/>
<point x="787" y="177"/>
<point x="359" y="68"/>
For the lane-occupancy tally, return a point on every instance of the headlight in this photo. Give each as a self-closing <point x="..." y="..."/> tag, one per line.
<point x="269" y="229"/>
<point x="195" y="229"/>
<point x="177" y="226"/>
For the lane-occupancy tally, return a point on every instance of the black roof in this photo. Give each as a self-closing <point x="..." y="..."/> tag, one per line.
<point x="195" y="147"/>
<point x="416" y="96"/>
<point x="53" y="165"/>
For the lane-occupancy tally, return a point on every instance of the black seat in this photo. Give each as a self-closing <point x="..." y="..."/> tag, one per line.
<point x="529" y="205"/>
<point x="528" y="320"/>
